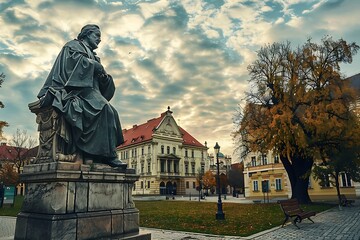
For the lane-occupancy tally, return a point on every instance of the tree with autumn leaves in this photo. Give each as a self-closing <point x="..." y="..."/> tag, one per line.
<point x="299" y="106"/>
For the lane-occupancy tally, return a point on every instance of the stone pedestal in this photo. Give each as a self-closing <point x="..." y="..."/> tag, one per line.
<point x="78" y="201"/>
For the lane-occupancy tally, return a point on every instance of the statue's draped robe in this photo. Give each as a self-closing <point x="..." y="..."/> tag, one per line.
<point x="82" y="97"/>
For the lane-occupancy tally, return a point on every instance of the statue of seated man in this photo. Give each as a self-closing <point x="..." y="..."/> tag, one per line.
<point x="80" y="89"/>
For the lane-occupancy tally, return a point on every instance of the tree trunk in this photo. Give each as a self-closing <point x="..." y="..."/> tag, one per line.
<point x="298" y="171"/>
<point x="337" y="185"/>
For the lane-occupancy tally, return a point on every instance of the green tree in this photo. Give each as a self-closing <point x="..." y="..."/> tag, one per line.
<point x="298" y="105"/>
<point x="335" y="161"/>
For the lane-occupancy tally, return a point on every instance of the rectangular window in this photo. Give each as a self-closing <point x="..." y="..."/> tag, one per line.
<point x="187" y="184"/>
<point x="202" y="168"/>
<point x="253" y="161"/>
<point x="186" y="153"/>
<point x="174" y="150"/>
<point x="162" y="167"/>
<point x="192" y="168"/>
<point x="255" y="185"/>
<point x="278" y="184"/>
<point x="148" y="185"/>
<point x="176" y="167"/>
<point x="149" y="167"/>
<point x="194" y="185"/>
<point x="345" y="180"/>
<point x="142" y="151"/>
<point x="276" y="159"/>
<point x="264" y="159"/>
<point x="169" y="166"/>
<point x="141" y="184"/>
<point x="142" y="168"/>
<point x="192" y="153"/>
<point x="325" y="181"/>
<point x="186" y="168"/>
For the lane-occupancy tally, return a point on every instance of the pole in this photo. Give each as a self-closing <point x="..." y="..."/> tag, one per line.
<point x="220" y="214"/>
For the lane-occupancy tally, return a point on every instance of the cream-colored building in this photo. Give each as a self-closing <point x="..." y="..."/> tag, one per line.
<point x="267" y="169"/>
<point x="167" y="158"/>
<point x="260" y="169"/>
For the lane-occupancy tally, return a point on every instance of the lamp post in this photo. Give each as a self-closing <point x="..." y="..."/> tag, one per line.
<point x="220" y="215"/>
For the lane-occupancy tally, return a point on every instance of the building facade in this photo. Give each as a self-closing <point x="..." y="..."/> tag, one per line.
<point x="167" y="158"/>
<point x="267" y="169"/>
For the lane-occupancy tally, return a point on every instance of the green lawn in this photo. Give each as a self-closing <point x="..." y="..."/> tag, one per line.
<point x="8" y="210"/>
<point x="240" y="219"/>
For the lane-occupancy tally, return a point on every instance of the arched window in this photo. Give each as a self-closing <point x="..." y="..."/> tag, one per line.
<point x="174" y="150"/>
<point x="162" y="149"/>
<point x="168" y="150"/>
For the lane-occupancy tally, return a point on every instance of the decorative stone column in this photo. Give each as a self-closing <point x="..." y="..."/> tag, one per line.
<point x="78" y="201"/>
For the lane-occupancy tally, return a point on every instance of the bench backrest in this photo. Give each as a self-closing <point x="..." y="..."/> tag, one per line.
<point x="290" y="207"/>
<point x="343" y="197"/>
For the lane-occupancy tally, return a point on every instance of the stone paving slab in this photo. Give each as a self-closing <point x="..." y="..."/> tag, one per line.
<point x="7" y="227"/>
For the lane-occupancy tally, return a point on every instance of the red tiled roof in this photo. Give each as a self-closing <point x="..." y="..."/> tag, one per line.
<point x="142" y="133"/>
<point x="9" y="152"/>
<point x="189" y="140"/>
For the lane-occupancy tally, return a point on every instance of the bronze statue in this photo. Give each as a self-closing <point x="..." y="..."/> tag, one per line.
<point x="80" y="89"/>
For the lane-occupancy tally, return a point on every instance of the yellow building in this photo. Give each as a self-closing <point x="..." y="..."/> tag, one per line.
<point x="267" y="169"/>
<point x="166" y="156"/>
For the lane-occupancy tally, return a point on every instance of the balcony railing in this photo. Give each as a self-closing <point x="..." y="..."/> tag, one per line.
<point x="168" y="174"/>
<point x="265" y="166"/>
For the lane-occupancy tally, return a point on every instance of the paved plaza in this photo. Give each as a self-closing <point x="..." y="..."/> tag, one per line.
<point x="334" y="224"/>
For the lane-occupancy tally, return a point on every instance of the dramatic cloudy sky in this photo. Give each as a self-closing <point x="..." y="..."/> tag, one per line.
<point x="191" y="55"/>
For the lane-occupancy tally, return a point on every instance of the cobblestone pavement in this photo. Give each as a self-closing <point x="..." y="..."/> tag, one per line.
<point x="333" y="224"/>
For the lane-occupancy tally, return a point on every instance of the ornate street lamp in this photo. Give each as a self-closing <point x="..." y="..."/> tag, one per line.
<point x="220" y="215"/>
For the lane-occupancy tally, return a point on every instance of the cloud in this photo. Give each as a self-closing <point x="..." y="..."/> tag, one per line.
<point x="189" y="55"/>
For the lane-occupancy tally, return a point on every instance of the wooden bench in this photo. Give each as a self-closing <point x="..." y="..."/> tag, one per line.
<point x="345" y="202"/>
<point x="293" y="211"/>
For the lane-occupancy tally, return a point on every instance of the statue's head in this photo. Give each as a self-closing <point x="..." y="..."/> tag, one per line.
<point x="91" y="34"/>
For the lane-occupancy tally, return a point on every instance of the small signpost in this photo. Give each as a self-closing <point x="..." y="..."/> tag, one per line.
<point x="265" y="189"/>
<point x="9" y="195"/>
